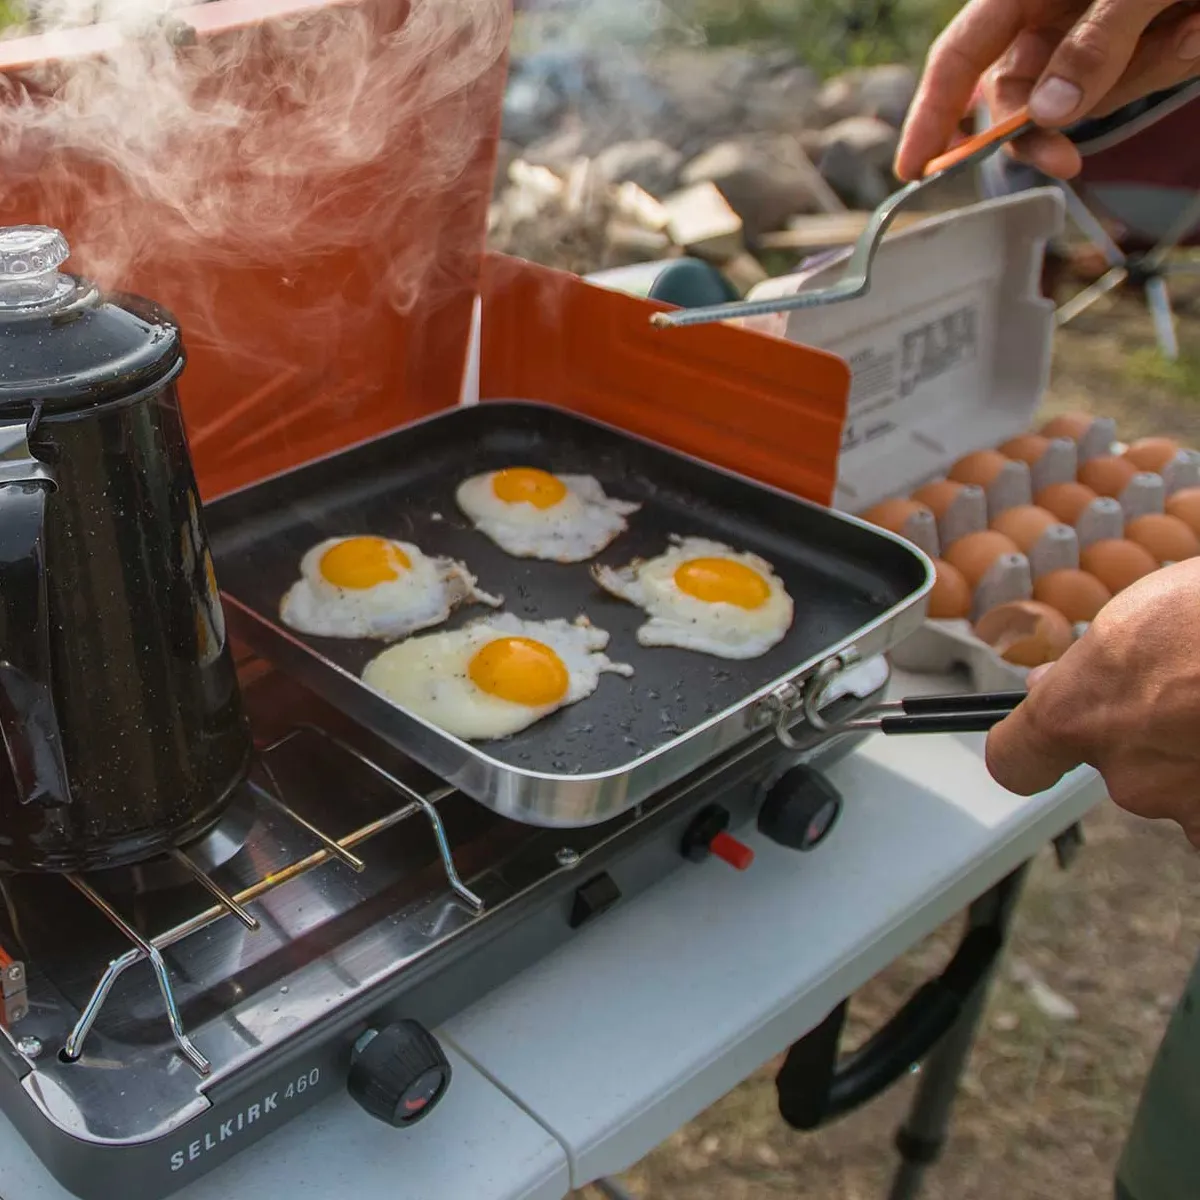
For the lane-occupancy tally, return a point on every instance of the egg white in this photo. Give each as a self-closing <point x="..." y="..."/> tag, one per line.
<point x="418" y="598"/>
<point x="574" y="530"/>
<point x="428" y="675"/>
<point x="681" y="620"/>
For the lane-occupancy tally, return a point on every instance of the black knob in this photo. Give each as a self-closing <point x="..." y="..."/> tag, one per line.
<point x="398" y="1073"/>
<point x="800" y="809"/>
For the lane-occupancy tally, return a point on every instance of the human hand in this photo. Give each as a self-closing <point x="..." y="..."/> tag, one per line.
<point x="1125" y="698"/>
<point x="1065" y="59"/>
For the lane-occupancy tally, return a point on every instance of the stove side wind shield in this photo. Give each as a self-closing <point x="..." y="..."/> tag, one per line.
<point x="302" y="183"/>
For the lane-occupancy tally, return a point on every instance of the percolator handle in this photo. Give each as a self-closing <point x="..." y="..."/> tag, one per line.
<point x="28" y="720"/>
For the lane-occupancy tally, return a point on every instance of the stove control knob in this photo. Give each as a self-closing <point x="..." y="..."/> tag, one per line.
<point x="398" y="1073"/>
<point x="800" y="809"/>
<point x="707" y="835"/>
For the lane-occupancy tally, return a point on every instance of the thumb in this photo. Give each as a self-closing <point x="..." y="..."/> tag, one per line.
<point x="1090" y="59"/>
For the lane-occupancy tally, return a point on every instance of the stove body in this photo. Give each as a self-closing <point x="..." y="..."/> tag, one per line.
<point x="267" y="1019"/>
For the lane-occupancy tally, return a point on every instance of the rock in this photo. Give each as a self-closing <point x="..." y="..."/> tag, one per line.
<point x="782" y="103"/>
<point x="708" y="94"/>
<point x="837" y="100"/>
<point x="856" y="159"/>
<point x="630" y="243"/>
<point x="884" y="92"/>
<point x="633" y="204"/>
<point x="708" y="85"/>
<point x="856" y="182"/>
<point x="559" y="150"/>
<point x="887" y="92"/>
<point x="652" y="165"/>
<point x="702" y="222"/>
<point x="871" y="138"/>
<point x="765" y="181"/>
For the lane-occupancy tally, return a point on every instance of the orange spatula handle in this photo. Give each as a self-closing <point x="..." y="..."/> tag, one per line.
<point x="1002" y="131"/>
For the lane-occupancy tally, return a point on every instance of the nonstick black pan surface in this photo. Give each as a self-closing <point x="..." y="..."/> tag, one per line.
<point x="841" y="577"/>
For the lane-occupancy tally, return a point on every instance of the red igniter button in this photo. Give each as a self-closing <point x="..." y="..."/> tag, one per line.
<point x="729" y="849"/>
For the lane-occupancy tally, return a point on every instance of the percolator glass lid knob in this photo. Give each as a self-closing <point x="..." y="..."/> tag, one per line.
<point x="30" y="256"/>
<point x="31" y="250"/>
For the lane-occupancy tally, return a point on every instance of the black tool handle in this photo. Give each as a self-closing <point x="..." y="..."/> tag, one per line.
<point x="974" y="702"/>
<point x="955" y="722"/>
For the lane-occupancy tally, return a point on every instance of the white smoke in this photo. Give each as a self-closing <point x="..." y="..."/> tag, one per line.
<point x="249" y="146"/>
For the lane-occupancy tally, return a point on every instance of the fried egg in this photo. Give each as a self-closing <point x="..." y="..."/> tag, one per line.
<point x="373" y="587"/>
<point x="494" y="677"/>
<point x="530" y="513"/>
<point x="702" y="595"/>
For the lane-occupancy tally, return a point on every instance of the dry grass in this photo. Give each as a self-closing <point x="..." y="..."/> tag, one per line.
<point x="1046" y="1102"/>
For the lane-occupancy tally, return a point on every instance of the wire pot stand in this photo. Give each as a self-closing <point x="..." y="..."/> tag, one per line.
<point x="339" y="850"/>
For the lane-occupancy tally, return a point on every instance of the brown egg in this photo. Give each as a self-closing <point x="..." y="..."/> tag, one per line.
<point x="974" y="554"/>
<point x="1069" y="425"/>
<point x="1152" y="453"/>
<point x="1107" y="474"/>
<point x="950" y="599"/>
<point x="979" y="468"/>
<point x="1117" y="563"/>
<point x="1025" y="524"/>
<point x="1168" y="538"/>
<point x="893" y="514"/>
<point x="1076" y="594"/>
<point x="1065" y="500"/>
<point x="1027" y="448"/>
<point x="937" y="496"/>
<point x="1185" y="504"/>
<point x="1026" y="633"/>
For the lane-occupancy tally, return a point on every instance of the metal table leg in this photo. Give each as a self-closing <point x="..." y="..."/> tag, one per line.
<point x="923" y="1134"/>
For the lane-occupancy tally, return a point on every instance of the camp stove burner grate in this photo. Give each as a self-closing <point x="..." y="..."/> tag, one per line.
<point x="338" y="850"/>
<point x="156" y="1020"/>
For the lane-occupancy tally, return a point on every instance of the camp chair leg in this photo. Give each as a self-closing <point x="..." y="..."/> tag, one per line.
<point x="1090" y="226"/>
<point x="1107" y="282"/>
<point x="1159" y="300"/>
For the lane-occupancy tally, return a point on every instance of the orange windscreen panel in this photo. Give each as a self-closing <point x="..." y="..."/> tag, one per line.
<point x="757" y="405"/>
<point x="302" y="183"/>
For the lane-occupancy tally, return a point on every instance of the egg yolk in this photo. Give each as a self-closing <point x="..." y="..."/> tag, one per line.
<point x="363" y="562"/>
<point x="528" y="485"/>
<point x="519" y="670"/>
<point x="722" y="581"/>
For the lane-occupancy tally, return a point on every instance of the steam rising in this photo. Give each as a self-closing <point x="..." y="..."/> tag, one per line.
<point x="250" y="148"/>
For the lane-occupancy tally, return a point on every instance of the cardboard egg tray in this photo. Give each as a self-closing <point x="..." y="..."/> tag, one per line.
<point x="950" y="352"/>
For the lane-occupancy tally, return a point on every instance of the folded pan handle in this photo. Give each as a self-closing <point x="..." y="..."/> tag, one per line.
<point x="28" y="721"/>
<point x="815" y="1086"/>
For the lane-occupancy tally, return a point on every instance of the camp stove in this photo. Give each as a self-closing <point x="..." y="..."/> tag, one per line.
<point x="161" y="1018"/>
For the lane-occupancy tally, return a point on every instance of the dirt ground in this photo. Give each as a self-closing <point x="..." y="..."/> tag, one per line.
<point x="1047" y="1099"/>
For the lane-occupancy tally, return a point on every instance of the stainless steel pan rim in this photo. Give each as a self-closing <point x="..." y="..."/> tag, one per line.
<point x="562" y="800"/>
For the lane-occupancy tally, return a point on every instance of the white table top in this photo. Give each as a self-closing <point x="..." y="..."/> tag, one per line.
<point x="475" y="1144"/>
<point x="599" y="1052"/>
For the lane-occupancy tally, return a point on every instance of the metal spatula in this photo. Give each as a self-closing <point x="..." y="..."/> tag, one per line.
<point x="856" y="280"/>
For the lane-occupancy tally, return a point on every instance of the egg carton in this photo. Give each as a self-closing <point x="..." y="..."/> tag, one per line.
<point x="950" y="362"/>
